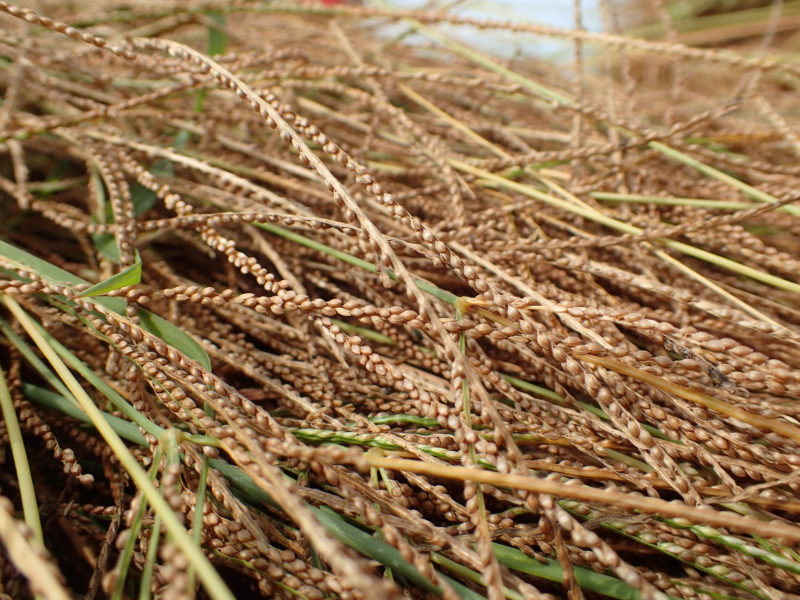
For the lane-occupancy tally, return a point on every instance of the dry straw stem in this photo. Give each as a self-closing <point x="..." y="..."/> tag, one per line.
<point x="29" y="556"/>
<point x="781" y="427"/>
<point x="780" y="531"/>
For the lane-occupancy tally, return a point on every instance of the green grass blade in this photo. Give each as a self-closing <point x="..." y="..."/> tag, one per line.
<point x="142" y="198"/>
<point x="480" y="59"/>
<point x="217" y="38"/>
<point x="171" y="334"/>
<point x="759" y="552"/>
<point x="425" y="286"/>
<point x="110" y="393"/>
<point x="550" y="570"/>
<point x="603" y="219"/>
<point x="199" y="509"/>
<point x="174" y="336"/>
<point x="534" y="389"/>
<point x="364" y="332"/>
<point x="707" y="203"/>
<point x="126" y="553"/>
<point x="33" y="360"/>
<point x="462" y="590"/>
<point x="398" y="419"/>
<point x="346" y="533"/>
<point x="27" y="261"/>
<point x="372" y="547"/>
<point x="53" y="401"/>
<point x="746" y="189"/>
<point x="30" y="507"/>
<point x="212" y="581"/>
<point x="246" y="489"/>
<point x="106" y="245"/>
<point x="150" y="559"/>
<point x="127" y="277"/>
<point x="469" y="575"/>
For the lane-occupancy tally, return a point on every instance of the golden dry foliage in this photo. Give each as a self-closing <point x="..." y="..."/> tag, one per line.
<point x="457" y="325"/>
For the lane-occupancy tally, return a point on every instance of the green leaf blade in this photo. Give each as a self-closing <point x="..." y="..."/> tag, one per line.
<point x="125" y="278"/>
<point x="174" y="336"/>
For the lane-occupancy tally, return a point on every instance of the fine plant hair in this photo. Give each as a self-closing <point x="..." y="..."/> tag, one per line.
<point x="320" y="300"/>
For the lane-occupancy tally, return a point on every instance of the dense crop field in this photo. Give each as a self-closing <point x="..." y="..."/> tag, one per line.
<point x="322" y="300"/>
